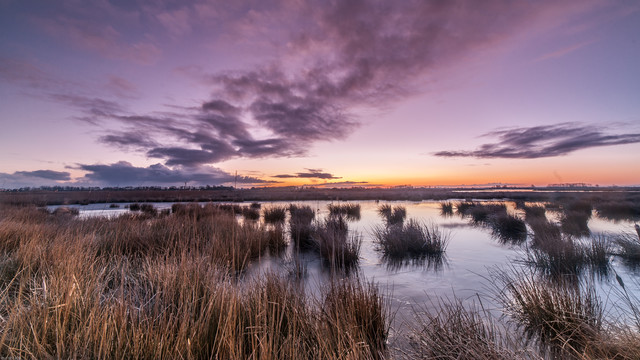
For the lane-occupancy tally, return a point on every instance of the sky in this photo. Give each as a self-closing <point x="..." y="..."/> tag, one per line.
<point x="324" y="93"/>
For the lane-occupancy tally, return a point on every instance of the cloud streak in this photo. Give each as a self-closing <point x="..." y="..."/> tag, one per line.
<point x="46" y="174"/>
<point x="124" y="174"/>
<point x="544" y="141"/>
<point x="309" y="174"/>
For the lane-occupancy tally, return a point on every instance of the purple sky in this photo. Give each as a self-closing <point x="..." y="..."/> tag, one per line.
<point x="123" y="92"/>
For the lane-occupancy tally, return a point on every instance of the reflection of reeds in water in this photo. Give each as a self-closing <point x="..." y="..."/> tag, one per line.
<point x="428" y="262"/>
<point x="392" y="215"/>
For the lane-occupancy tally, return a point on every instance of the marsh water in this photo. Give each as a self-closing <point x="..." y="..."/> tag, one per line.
<point x="464" y="272"/>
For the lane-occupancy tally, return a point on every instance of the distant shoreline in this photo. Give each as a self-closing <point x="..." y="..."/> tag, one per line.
<point x="66" y="197"/>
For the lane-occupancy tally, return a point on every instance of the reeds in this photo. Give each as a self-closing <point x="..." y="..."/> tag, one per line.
<point x="251" y="213"/>
<point x="392" y="215"/>
<point x="338" y="249"/>
<point x="566" y="315"/>
<point x="65" y="294"/>
<point x="275" y="214"/>
<point x="412" y="239"/>
<point x="300" y="226"/>
<point x="628" y="246"/>
<point x="508" y="228"/>
<point x="619" y="210"/>
<point x="446" y="208"/>
<point x="449" y="330"/>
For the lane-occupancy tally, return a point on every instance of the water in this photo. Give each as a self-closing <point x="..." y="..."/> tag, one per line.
<point x="464" y="272"/>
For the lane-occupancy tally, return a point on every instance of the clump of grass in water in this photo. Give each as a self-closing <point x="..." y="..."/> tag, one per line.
<point x="452" y="331"/>
<point x="351" y="211"/>
<point x="533" y="213"/>
<point x="392" y="215"/>
<point x="300" y="226"/>
<point x="446" y="208"/>
<point x="255" y="205"/>
<point x="565" y="316"/>
<point x="463" y="206"/>
<point x="411" y="239"/>
<point x="598" y="251"/>
<point x="251" y="213"/>
<point x="556" y="254"/>
<point x="275" y="214"/>
<point x="338" y="249"/>
<point x="628" y="246"/>
<point x="508" y="228"/>
<point x="619" y="210"/>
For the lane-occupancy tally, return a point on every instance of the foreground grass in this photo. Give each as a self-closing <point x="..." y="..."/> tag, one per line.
<point x="566" y="318"/>
<point x="150" y="288"/>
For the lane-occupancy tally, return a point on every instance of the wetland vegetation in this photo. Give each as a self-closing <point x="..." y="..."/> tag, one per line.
<point x="193" y="280"/>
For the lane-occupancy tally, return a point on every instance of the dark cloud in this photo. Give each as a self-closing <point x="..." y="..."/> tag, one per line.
<point x="310" y="174"/>
<point x="544" y="141"/>
<point x="192" y="157"/>
<point x="46" y="174"/>
<point x="32" y="178"/>
<point x="124" y="174"/>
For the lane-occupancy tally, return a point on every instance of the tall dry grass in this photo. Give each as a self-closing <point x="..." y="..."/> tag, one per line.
<point x="451" y="330"/>
<point x="167" y="288"/>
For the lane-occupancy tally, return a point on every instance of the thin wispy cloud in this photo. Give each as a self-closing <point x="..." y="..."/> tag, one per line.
<point x="309" y="174"/>
<point x="544" y="141"/>
<point x="46" y="174"/>
<point x="564" y="51"/>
